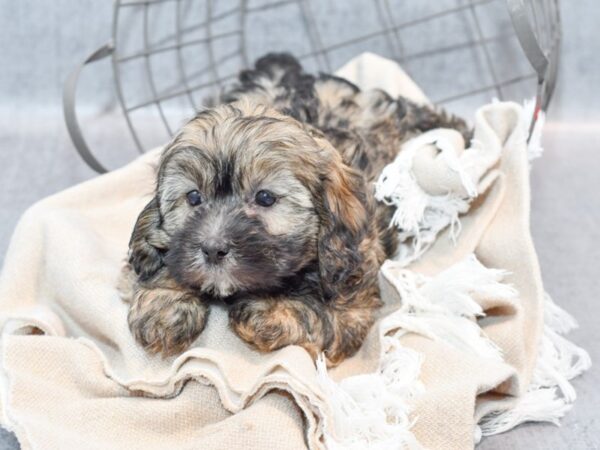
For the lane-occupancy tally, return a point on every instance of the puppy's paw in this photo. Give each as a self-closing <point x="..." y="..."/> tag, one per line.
<point x="166" y="321"/>
<point x="269" y="325"/>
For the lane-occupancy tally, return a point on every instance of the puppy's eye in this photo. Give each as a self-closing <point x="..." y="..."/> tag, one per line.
<point x="265" y="198"/>
<point x="194" y="198"/>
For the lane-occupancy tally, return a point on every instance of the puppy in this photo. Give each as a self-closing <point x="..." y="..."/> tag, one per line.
<point x="265" y="203"/>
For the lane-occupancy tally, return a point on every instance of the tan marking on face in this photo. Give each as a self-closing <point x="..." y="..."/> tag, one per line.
<point x="293" y="210"/>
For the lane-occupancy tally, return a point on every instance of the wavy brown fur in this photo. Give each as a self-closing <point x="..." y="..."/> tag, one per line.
<point x="303" y="271"/>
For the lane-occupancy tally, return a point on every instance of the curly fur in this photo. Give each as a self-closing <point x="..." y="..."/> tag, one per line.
<point x="303" y="271"/>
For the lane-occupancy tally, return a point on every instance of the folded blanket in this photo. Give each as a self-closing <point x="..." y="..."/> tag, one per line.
<point x="457" y="342"/>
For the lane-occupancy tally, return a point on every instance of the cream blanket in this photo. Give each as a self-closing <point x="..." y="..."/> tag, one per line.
<point x="72" y="376"/>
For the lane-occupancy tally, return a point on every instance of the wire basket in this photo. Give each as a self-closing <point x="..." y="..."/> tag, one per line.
<point x="170" y="57"/>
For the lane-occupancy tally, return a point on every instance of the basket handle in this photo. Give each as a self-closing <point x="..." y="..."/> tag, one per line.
<point x="543" y="61"/>
<point x="69" y="98"/>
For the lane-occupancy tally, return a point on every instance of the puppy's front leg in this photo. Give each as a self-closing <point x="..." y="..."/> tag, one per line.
<point x="270" y="324"/>
<point x="166" y="319"/>
<point x="273" y="323"/>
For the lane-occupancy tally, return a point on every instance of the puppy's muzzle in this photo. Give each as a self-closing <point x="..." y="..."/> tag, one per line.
<point x="215" y="251"/>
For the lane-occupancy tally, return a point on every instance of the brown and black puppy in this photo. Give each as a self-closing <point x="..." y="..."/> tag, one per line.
<point x="266" y="203"/>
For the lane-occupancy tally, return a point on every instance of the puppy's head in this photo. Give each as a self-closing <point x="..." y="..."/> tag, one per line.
<point x="245" y="199"/>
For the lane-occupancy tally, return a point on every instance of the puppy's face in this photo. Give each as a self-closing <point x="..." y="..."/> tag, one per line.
<point x="246" y="198"/>
<point x="235" y="205"/>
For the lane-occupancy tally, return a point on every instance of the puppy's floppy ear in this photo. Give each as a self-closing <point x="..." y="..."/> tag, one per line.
<point x="148" y="242"/>
<point x="343" y="212"/>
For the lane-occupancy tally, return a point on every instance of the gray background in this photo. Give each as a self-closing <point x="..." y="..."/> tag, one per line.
<point x="41" y="41"/>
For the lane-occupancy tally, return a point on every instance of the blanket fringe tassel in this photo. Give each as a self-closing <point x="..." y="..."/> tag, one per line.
<point x="372" y="411"/>
<point x="420" y="216"/>
<point x="550" y="394"/>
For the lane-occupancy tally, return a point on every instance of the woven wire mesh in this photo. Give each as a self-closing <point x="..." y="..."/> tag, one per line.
<point x="173" y="56"/>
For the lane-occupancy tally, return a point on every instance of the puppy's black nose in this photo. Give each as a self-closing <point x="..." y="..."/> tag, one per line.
<point x="215" y="252"/>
